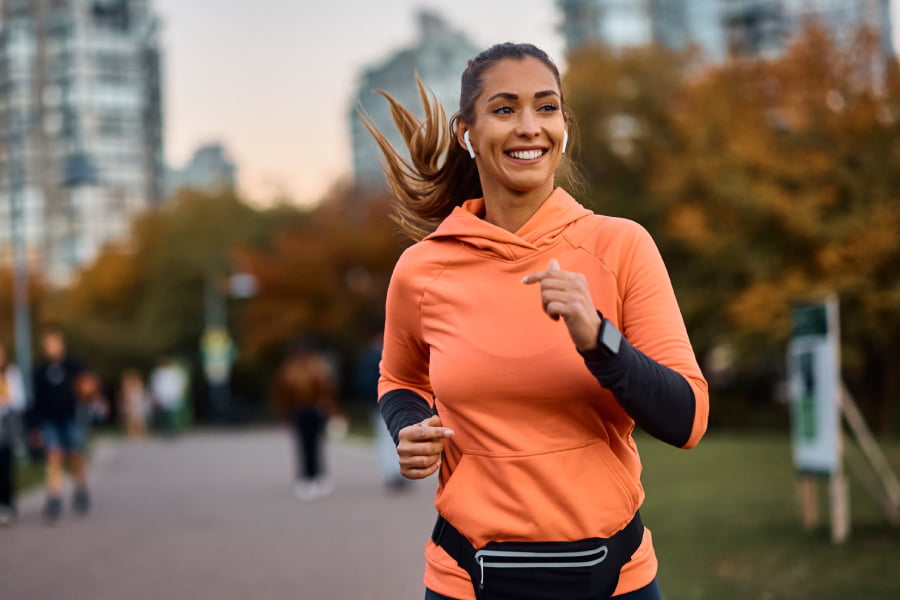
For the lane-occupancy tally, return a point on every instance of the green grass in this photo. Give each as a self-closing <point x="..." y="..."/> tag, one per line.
<point x="726" y="525"/>
<point x="28" y="475"/>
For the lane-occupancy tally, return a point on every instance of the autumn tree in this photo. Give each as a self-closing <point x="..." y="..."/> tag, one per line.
<point x="144" y="299"/>
<point x="765" y="183"/>
<point x="326" y="275"/>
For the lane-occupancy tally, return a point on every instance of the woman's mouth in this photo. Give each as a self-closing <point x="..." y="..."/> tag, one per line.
<point x="526" y="154"/>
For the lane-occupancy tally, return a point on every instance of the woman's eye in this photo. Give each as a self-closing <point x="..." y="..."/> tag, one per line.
<point x="502" y="110"/>
<point x="549" y="108"/>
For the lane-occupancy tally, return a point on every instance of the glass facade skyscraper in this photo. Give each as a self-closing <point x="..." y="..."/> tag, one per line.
<point x="81" y="142"/>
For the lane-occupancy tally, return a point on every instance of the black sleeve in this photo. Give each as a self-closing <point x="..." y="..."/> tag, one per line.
<point x="659" y="399"/>
<point x="402" y="408"/>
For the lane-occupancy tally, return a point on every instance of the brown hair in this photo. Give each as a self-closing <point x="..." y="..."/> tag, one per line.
<point x="439" y="174"/>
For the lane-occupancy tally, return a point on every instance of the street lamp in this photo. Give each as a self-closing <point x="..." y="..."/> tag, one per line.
<point x="22" y="318"/>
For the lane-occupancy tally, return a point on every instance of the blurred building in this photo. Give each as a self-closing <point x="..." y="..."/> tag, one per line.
<point x="439" y="56"/>
<point x="81" y="144"/>
<point x="210" y="168"/>
<point x="719" y="27"/>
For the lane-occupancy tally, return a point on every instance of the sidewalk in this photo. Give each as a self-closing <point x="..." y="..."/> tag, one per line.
<point x="211" y="516"/>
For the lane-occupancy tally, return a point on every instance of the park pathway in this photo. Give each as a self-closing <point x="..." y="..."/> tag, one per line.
<point x="211" y="516"/>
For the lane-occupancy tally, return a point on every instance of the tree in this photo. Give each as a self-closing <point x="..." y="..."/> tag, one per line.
<point x="145" y="299"/>
<point x="326" y="275"/>
<point x="765" y="183"/>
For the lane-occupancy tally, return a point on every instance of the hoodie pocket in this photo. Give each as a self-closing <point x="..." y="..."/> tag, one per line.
<point x="557" y="495"/>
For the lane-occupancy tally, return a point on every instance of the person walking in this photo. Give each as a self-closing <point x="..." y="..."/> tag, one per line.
<point x="305" y="393"/>
<point x="168" y="388"/>
<point x="526" y="337"/>
<point x="57" y="383"/>
<point x="135" y="404"/>
<point x="365" y="382"/>
<point x="12" y="405"/>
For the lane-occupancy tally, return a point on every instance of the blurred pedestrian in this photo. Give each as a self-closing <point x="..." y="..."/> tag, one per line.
<point x="135" y="404"/>
<point x="525" y="339"/>
<point x="168" y="386"/>
<point x="365" y="381"/>
<point x="305" y="394"/>
<point x="60" y="384"/>
<point x="12" y="405"/>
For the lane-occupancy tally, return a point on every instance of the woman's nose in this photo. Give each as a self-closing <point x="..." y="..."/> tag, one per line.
<point x="527" y="125"/>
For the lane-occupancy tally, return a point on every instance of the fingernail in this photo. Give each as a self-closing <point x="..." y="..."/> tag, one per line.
<point x="448" y="432"/>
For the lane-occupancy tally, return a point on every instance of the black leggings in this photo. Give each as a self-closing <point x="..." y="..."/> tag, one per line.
<point x="309" y="425"/>
<point x="648" y="592"/>
<point x="7" y="476"/>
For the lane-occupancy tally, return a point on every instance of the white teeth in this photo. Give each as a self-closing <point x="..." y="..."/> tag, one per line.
<point x="526" y="154"/>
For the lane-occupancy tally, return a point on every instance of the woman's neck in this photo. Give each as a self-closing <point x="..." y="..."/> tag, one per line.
<point x="511" y="210"/>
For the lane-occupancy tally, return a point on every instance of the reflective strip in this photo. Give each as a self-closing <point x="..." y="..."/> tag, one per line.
<point x="552" y="565"/>
<point x="514" y="554"/>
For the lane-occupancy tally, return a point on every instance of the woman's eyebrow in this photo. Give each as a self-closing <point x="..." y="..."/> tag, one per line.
<point x="511" y="96"/>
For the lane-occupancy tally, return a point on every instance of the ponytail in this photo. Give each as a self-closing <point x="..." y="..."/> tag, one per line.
<point x="437" y="177"/>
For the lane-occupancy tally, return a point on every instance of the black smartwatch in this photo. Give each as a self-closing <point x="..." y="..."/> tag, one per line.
<point x="608" y="339"/>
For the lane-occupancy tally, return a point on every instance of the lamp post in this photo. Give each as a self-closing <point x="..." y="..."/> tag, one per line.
<point x="22" y="317"/>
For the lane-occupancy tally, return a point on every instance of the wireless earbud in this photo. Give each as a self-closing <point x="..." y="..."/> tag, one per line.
<point x="469" y="144"/>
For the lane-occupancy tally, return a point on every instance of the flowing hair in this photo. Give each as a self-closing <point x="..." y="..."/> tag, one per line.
<point x="439" y="174"/>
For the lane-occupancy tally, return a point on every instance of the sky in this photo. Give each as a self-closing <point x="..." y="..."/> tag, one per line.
<point x="273" y="80"/>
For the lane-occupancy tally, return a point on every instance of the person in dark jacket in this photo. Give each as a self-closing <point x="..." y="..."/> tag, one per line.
<point x="57" y="381"/>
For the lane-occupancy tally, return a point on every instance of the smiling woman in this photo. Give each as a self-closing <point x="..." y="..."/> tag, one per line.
<point x="527" y="419"/>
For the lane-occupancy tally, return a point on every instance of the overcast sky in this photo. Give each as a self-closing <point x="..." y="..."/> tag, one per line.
<point x="273" y="79"/>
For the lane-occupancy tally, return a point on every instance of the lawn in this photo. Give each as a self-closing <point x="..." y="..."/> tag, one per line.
<point x="726" y="526"/>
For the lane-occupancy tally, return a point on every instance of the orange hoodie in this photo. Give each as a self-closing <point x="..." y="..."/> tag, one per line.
<point x="541" y="451"/>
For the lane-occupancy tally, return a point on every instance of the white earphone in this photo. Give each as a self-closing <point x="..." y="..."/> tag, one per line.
<point x="565" y="140"/>
<point x="469" y="144"/>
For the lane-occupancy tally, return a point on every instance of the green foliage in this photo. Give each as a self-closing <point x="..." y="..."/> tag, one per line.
<point x="322" y="272"/>
<point x="140" y="301"/>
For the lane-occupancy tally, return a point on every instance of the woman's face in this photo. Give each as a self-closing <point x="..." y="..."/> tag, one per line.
<point x="518" y="127"/>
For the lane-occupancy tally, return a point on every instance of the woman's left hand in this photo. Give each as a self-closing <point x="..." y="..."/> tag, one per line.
<point x="566" y="295"/>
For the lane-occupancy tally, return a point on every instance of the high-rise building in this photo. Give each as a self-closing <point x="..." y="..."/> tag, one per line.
<point x="81" y="143"/>
<point x="210" y="168"/>
<point x="719" y="27"/>
<point x="439" y="57"/>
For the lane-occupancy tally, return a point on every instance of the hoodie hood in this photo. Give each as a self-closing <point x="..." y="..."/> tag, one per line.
<point x="544" y="227"/>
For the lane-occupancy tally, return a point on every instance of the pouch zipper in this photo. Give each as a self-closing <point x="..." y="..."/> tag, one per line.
<point x="533" y="559"/>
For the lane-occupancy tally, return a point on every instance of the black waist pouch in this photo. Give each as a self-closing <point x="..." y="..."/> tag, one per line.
<point x="585" y="569"/>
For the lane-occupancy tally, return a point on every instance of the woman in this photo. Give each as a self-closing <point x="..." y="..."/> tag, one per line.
<point x="525" y="339"/>
<point x="12" y="404"/>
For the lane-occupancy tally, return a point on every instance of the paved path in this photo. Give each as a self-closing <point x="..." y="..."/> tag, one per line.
<point x="211" y="516"/>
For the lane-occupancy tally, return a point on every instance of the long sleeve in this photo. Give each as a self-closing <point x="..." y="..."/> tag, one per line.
<point x="405" y="356"/>
<point x="402" y="408"/>
<point x="659" y="400"/>
<point x="655" y="377"/>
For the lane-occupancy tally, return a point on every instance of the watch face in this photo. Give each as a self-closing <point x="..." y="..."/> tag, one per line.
<point x="610" y="338"/>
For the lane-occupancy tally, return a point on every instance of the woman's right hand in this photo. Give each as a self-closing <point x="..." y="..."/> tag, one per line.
<point x="420" y="447"/>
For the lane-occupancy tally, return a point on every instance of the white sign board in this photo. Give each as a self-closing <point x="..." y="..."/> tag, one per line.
<point x="813" y="366"/>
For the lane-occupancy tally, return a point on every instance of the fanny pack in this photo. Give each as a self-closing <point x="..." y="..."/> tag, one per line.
<point x="585" y="569"/>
